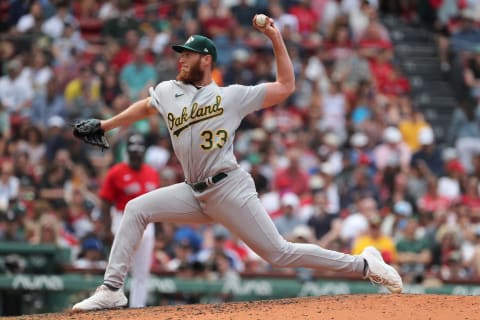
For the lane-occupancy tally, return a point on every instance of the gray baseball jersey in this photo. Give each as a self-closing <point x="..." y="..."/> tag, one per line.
<point x="202" y="123"/>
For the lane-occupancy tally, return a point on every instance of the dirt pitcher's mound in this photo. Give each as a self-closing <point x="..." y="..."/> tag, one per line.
<point x="341" y="307"/>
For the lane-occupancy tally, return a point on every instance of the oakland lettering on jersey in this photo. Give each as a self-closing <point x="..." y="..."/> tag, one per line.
<point x="197" y="114"/>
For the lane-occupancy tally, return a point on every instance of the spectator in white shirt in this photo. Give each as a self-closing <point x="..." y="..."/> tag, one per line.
<point x="16" y="92"/>
<point x="54" y="26"/>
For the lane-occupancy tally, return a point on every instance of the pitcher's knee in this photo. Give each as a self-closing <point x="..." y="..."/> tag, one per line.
<point x="279" y="257"/>
<point x="132" y="211"/>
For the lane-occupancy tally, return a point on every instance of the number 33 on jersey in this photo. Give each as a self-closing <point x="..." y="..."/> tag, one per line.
<point x="202" y="122"/>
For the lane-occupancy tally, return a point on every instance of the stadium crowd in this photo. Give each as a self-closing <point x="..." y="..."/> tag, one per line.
<point x="348" y="161"/>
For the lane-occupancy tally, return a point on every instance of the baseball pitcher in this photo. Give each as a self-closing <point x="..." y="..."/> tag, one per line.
<point x="202" y="119"/>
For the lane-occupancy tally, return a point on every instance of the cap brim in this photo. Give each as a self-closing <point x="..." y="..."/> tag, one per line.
<point x="180" y="48"/>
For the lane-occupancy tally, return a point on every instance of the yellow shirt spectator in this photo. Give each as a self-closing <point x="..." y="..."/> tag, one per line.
<point x="85" y="84"/>
<point x="410" y="128"/>
<point x="384" y="244"/>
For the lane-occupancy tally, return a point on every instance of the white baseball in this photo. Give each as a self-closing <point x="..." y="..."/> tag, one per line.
<point x="261" y="20"/>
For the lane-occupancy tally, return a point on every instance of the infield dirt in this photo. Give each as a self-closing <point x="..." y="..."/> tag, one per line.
<point x="340" y="307"/>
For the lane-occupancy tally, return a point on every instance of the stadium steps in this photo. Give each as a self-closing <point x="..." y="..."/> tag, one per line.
<point x="417" y="55"/>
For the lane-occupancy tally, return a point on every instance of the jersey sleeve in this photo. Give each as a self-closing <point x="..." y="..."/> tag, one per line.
<point x="247" y="98"/>
<point x="157" y="93"/>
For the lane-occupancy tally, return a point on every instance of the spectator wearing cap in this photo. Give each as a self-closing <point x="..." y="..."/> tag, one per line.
<point x="360" y="153"/>
<point x="288" y="217"/>
<point x="183" y="254"/>
<point x="449" y="184"/>
<point x="92" y="255"/>
<point x="47" y="105"/>
<point x="327" y="173"/>
<point x="330" y="154"/>
<point x="375" y="238"/>
<point x="218" y="246"/>
<point x="392" y="150"/>
<point x="429" y="153"/>
<point x="413" y="252"/>
<point x="394" y="222"/>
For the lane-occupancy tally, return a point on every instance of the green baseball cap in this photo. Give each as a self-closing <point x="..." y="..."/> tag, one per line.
<point x="199" y="44"/>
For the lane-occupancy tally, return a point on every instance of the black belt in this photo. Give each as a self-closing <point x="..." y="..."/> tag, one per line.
<point x="203" y="185"/>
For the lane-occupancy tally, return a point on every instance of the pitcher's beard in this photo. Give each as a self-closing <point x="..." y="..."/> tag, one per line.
<point x="193" y="76"/>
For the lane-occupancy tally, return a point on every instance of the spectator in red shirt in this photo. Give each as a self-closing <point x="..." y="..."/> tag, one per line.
<point x="292" y="178"/>
<point x="127" y="52"/>
<point x="307" y="17"/>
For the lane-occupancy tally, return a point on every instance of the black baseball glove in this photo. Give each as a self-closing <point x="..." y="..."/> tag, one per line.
<point x="90" y="131"/>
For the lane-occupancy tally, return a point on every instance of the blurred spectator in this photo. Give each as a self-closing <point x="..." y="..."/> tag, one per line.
<point x="306" y="16"/>
<point x="31" y="22"/>
<point x="183" y="255"/>
<point x="359" y="186"/>
<point x="330" y="155"/>
<point x="208" y="254"/>
<point x="449" y="184"/>
<point x="289" y="216"/>
<point x="319" y="220"/>
<point x="54" y="26"/>
<point x="393" y="150"/>
<point x="410" y="126"/>
<point x="292" y="178"/>
<point x="82" y="95"/>
<point x="429" y="153"/>
<point x="413" y="253"/>
<point x="67" y="48"/>
<point x="16" y="92"/>
<point x="394" y="223"/>
<point x="40" y="71"/>
<point x="136" y="77"/>
<point x="48" y="104"/>
<point x="464" y="133"/>
<point x="467" y="34"/>
<point x="330" y="187"/>
<point x="9" y="186"/>
<point x="31" y="142"/>
<point x="356" y="223"/>
<point x="446" y="255"/>
<point x="119" y="20"/>
<point x="375" y="238"/>
<point x="471" y="73"/>
<point x="127" y="52"/>
<point x="91" y="254"/>
<point x="431" y="201"/>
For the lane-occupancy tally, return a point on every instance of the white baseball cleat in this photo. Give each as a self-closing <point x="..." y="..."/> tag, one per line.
<point x="103" y="298"/>
<point x="381" y="273"/>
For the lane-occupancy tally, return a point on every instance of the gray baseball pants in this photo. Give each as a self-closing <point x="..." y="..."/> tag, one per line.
<point x="232" y="202"/>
